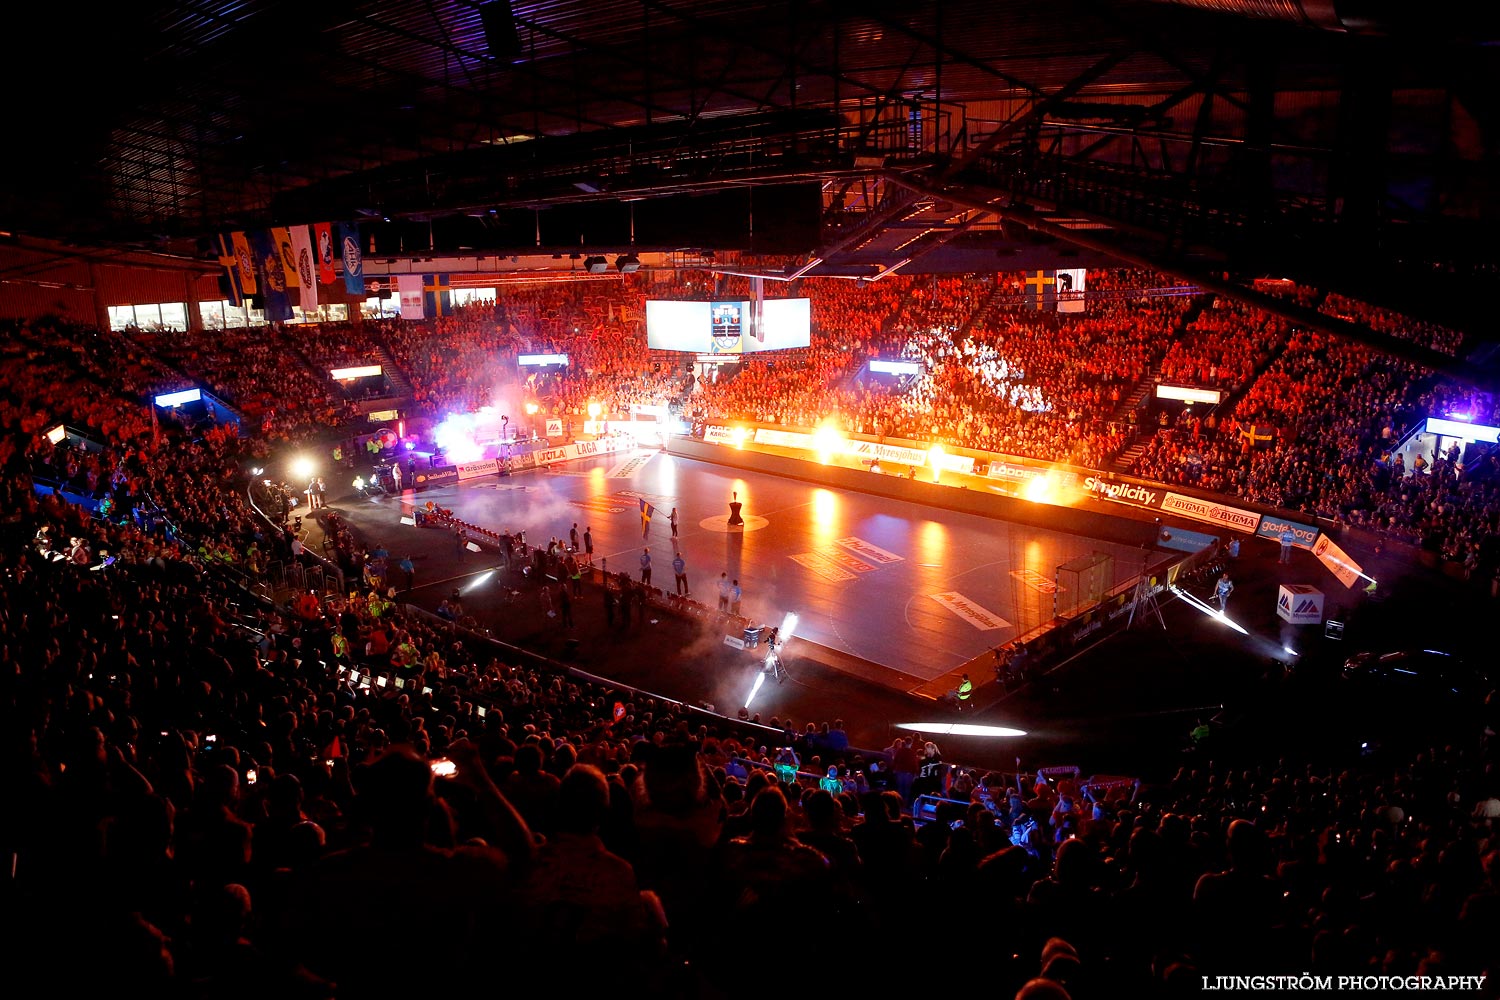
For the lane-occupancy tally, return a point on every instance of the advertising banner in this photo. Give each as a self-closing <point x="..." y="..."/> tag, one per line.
<point x="473" y="470"/>
<point x="1212" y="513"/>
<point x="549" y="456"/>
<point x="717" y="434"/>
<point x="440" y="476"/>
<point x="1129" y="493"/>
<point x="1299" y="604"/>
<point x="1272" y="527"/>
<point x="959" y="463"/>
<point x="981" y="618"/>
<point x="1337" y="561"/>
<point x="886" y="452"/>
<point x="783" y="439"/>
<point x="868" y="550"/>
<point x="1012" y="472"/>
<point x="554" y="427"/>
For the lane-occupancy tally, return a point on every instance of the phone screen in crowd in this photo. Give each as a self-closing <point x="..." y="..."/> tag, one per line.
<point x="481" y="711"/>
<point x="444" y="768"/>
<point x="251" y="776"/>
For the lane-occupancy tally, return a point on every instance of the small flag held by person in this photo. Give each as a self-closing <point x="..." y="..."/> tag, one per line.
<point x="646" y="511"/>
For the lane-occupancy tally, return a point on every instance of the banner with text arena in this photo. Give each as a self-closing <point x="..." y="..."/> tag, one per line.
<point x="981" y="618"/>
<point x="1210" y="512"/>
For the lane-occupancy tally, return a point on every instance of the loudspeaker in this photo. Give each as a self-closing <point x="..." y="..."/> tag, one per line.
<point x="500" y="30"/>
<point x="596" y="265"/>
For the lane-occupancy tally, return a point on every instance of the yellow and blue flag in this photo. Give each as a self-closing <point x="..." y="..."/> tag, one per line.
<point x="646" y="511"/>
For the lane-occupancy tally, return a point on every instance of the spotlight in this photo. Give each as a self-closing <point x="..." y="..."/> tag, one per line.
<point x="1289" y="651"/>
<point x="959" y="729"/>
<point x="302" y="467"/>
<point x="531" y="409"/>
<point x="359" y="482"/>
<point x="935" y="456"/>
<point x="594" y="410"/>
<point x="760" y="678"/>
<point x="257" y="471"/>
<point x="479" y="581"/>
<point x="1207" y="609"/>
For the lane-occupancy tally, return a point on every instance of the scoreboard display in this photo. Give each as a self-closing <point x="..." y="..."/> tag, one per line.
<point x="728" y="327"/>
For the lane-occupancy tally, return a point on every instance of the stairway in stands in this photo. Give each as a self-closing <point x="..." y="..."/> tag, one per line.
<point x="980" y="314"/>
<point x="1125" y="459"/>
<point x="394" y="373"/>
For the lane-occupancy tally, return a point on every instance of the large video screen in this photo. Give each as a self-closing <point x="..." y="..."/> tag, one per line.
<point x="677" y="326"/>
<point x="727" y="327"/>
<point x="786" y="323"/>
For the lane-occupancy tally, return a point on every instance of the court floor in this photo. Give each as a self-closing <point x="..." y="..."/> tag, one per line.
<point x="918" y="590"/>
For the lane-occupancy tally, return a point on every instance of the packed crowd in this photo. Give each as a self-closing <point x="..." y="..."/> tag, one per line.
<point x="1317" y="431"/>
<point x="222" y="798"/>
<point x="210" y="795"/>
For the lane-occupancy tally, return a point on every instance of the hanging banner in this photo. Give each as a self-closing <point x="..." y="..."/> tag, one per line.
<point x="229" y="260"/>
<point x="410" y="288"/>
<point x="1337" y="561"/>
<point x="323" y="241"/>
<point x="247" y="263"/>
<point x="354" y="262"/>
<point x="282" y="238"/>
<point x="272" y="276"/>
<point x="307" y="274"/>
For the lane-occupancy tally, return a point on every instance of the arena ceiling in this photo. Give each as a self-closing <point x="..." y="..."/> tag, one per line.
<point x="1348" y="144"/>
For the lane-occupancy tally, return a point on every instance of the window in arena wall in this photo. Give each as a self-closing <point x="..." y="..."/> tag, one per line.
<point x="464" y="296"/>
<point x="152" y="316"/>
<point x="222" y="315"/>
<point x="376" y="307"/>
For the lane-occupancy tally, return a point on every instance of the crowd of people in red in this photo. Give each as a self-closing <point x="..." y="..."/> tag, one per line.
<point x="210" y="795"/>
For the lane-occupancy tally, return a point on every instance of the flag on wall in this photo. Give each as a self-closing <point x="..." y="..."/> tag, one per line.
<point x="323" y="243"/>
<point x="437" y="295"/>
<point x="307" y="268"/>
<point x="247" y="263"/>
<point x="353" y="259"/>
<point x="229" y="260"/>
<point x="272" y="276"/>
<point x="282" y="237"/>
<point x="410" y="288"/>
<point x="1045" y="287"/>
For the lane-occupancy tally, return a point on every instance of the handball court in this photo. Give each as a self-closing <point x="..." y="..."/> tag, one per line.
<point x="898" y="593"/>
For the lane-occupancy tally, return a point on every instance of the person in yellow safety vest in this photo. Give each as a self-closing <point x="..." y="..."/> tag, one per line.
<point x="965" y="689"/>
<point x="338" y="453"/>
<point x="340" y="646"/>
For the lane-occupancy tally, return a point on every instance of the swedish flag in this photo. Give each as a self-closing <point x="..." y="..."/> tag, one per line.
<point x="437" y="295"/>
<point x="646" y="511"/>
